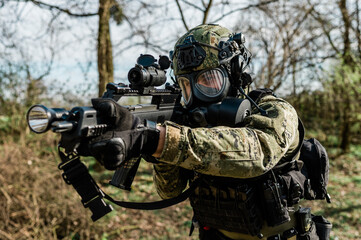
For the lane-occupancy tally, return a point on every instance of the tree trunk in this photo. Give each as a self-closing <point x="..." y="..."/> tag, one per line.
<point x="105" y="56"/>
<point x="346" y="130"/>
<point x="348" y="61"/>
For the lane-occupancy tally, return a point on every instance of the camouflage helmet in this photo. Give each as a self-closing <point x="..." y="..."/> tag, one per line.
<point x="203" y="41"/>
<point x="209" y="63"/>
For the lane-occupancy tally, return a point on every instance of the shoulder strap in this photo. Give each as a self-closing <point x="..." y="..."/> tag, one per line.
<point x="259" y="93"/>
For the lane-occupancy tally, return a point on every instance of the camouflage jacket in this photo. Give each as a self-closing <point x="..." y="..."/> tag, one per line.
<point x="243" y="152"/>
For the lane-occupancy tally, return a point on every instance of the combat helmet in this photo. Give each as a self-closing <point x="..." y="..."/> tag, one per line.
<point x="208" y="62"/>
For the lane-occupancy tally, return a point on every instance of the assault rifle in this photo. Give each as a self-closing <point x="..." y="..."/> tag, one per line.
<point x="83" y="123"/>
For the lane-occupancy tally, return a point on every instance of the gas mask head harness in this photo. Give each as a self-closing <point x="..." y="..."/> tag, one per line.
<point x="210" y="63"/>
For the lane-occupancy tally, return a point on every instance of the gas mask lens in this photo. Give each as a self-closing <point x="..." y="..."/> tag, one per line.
<point x="210" y="83"/>
<point x="185" y="86"/>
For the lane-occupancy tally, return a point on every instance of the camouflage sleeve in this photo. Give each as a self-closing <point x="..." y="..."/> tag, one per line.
<point x="169" y="180"/>
<point x="235" y="152"/>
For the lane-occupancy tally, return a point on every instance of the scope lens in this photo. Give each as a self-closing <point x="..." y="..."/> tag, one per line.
<point x="135" y="76"/>
<point x="38" y="119"/>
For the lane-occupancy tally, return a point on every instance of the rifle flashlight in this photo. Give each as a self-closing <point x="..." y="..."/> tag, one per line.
<point x="41" y="118"/>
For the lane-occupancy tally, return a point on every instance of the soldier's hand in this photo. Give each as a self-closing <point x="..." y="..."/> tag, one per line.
<point x="114" y="147"/>
<point x="110" y="112"/>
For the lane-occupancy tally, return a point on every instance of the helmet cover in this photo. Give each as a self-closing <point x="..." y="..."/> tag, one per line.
<point x="202" y="42"/>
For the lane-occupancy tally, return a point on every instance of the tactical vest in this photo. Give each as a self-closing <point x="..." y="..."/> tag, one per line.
<point x="243" y="205"/>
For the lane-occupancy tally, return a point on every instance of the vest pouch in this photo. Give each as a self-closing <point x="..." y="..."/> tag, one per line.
<point x="232" y="209"/>
<point x="293" y="186"/>
<point x="310" y="235"/>
<point x="305" y="226"/>
<point x="323" y="227"/>
<point x="275" y="206"/>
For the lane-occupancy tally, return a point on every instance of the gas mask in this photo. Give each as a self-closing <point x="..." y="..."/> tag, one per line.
<point x="206" y="86"/>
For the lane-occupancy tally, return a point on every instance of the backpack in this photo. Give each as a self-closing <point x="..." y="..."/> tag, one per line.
<point x="316" y="169"/>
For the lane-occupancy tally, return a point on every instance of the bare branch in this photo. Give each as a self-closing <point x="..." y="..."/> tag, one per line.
<point x="206" y="11"/>
<point x="317" y="16"/>
<point x="245" y="8"/>
<point x="358" y="29"/>
<point x="300" y="22"/>
<point x="64" y="10"/>
<point x="182" y="16"/>
<point x="346" y="35"/>
<point x="194" y="6"/>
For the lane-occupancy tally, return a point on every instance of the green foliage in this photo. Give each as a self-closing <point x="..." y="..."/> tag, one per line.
<point x="18" y="88"/>
<point x="5" y="123"/>
<point x="344" y="85"/>
<point x="18" y="91"/>
<point x="333" y="115"/>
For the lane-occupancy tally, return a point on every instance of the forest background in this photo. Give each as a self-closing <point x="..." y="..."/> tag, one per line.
<point x="62" y="53"/>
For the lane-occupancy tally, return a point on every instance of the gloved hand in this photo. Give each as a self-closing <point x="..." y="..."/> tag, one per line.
<point x="127" y="137"/>
<point x="118" y="117"/>
<point x="114" y="147"/>
<point x="111" y="113"/>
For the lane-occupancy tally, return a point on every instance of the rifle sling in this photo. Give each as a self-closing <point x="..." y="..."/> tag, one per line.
<point x="156" y="204"/>
<point x="76" y="174"/>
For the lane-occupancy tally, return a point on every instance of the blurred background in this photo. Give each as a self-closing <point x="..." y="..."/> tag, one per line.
<point x="63" y="53"/>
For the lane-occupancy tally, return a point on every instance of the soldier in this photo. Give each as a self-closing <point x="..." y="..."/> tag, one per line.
<point x="249" y="182"/>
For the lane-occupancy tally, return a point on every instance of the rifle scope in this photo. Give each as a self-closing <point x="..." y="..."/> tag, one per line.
<point x="148" y="73"/>
<point x="141" y="77"/>
<point x="41" y="118"/>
